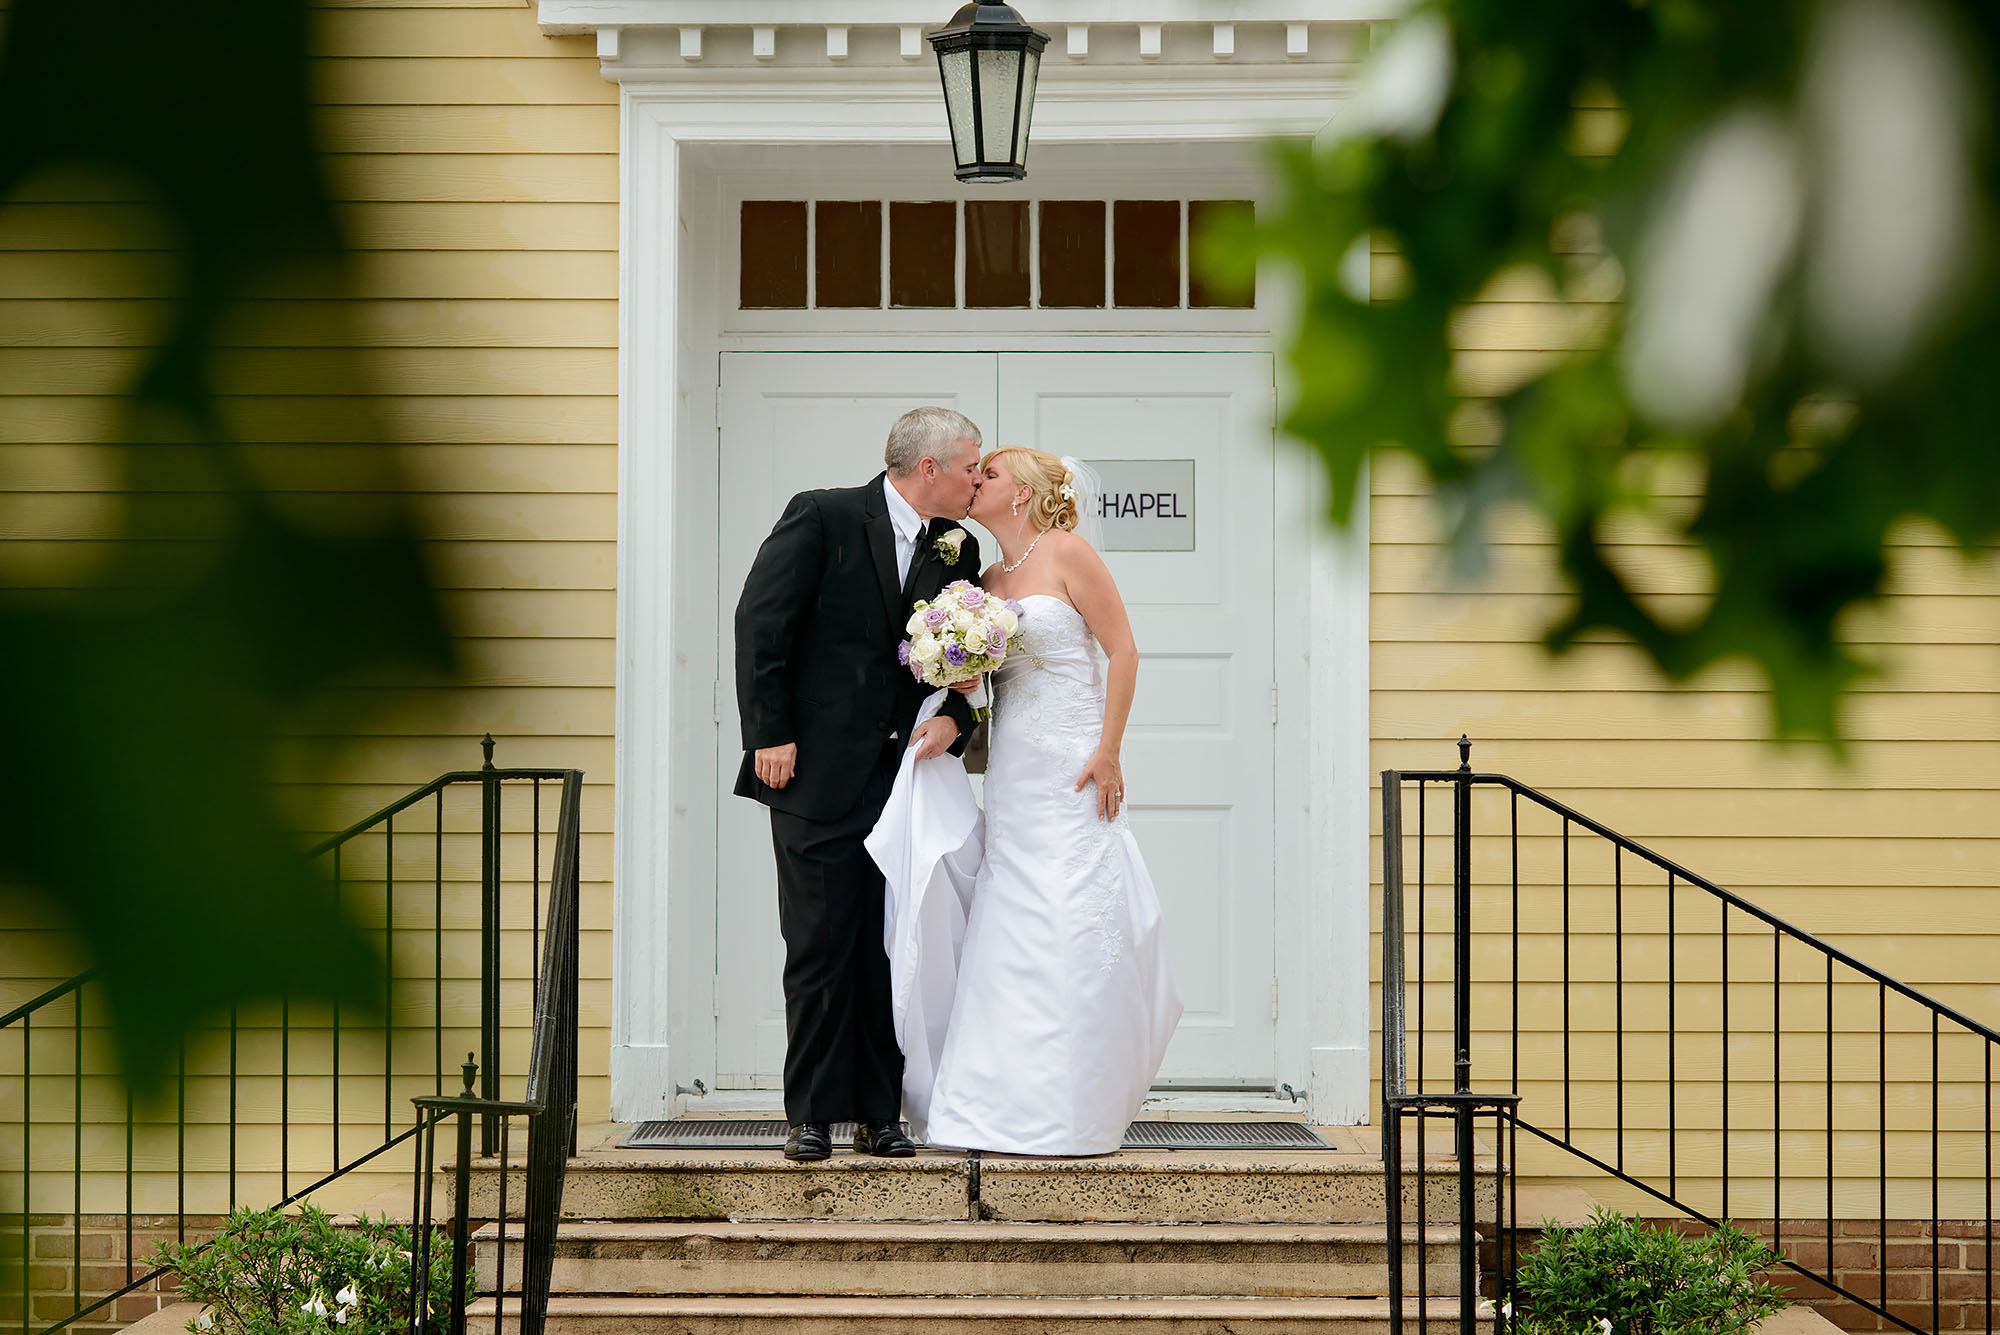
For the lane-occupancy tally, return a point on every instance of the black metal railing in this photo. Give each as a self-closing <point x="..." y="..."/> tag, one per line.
<point x="285" y="1082"/>
<point x="1687" y="1042"/>
<point x="548" y="1103"/>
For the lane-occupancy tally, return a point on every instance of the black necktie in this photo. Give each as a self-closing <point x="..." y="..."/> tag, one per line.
<point x="916" y="555"/>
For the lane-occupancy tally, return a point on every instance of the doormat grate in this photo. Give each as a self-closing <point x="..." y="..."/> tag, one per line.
<point x="769" y="1134"/>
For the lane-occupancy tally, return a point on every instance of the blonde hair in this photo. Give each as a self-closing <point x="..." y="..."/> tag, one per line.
<point x="1053" y="504"/>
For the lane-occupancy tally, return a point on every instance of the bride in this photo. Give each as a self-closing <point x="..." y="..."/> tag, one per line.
<point x="1065" y="994"/>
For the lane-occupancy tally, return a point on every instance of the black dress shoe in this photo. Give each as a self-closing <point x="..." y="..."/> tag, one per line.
<point x="809" y="1143"/>
<point x="885" y="1140"/>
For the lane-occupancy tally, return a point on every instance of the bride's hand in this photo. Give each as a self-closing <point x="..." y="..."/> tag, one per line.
<point x="1110" y="779"/>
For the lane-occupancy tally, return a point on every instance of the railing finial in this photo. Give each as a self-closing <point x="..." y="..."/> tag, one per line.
<point x="486" y="745"/>
<point x="1464" y="751"/>
<point x="470" y="1068"/>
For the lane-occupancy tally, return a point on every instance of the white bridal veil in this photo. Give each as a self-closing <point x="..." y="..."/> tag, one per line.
<point x="1089" y="487"/>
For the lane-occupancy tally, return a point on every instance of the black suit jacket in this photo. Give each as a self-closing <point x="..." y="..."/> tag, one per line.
<point x="816" y="634"/>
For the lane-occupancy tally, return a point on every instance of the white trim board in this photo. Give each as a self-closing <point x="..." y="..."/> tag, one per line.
<point x="679" y="145"/>
<point x="572" y="16"/>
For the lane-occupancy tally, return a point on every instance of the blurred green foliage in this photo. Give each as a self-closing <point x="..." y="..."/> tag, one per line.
<point x="143" y="702"/>
<point x="1814" y="452"/>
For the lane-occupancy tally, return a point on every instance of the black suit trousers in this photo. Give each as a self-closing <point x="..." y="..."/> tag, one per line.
<point x="841" y="1058"/>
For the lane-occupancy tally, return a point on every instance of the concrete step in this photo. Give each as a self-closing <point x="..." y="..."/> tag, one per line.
<point x="626" y="1258"/>
<point x="1134" y="1186"/>
<point x="949" y="1316"/>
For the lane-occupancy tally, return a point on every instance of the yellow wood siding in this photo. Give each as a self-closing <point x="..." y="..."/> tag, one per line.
<point x="476" y="164"/>
<point x="1889" y="855"/>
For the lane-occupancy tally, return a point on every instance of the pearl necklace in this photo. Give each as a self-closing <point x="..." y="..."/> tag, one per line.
<point x="1010" y="569"/>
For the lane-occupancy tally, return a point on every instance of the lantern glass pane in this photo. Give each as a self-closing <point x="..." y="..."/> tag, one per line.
<point x="999" y="81"/>
<point x="1031" y="76"/>
<point x="956" y="67"/>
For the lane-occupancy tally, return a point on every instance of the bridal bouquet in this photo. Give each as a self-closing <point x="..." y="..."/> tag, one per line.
<point x="966" y="633"/>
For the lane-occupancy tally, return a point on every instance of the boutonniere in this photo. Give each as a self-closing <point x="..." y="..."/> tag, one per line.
<point x="947" y="546"/>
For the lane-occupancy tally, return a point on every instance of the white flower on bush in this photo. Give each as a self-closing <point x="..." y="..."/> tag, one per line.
<point x="1604" y="1325"/>
<point x="347" y="1297"/>
<point x="204" y="1321"/>
<point x="313" y="1306"/>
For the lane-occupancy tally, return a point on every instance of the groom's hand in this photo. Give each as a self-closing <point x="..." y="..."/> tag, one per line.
<point x="776" y="764"/>
<point x="934" y="738"/>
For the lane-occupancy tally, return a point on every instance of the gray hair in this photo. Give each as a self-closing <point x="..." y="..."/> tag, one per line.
<point x="926" y="433"/>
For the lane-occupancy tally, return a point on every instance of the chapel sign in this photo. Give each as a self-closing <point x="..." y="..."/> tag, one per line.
<point x="1147" y="504"/>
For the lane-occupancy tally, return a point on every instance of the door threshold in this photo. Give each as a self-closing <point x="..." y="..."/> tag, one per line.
<point x="1163" y="1105"/>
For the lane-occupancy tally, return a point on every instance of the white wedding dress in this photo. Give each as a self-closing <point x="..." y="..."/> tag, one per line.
<point x="1065" y="994"/>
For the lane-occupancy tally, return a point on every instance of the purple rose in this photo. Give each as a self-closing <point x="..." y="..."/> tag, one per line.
<point x="917" y="671"/>
<point x="997" y="638"/>
<point x="936" y="617"/>
<point x="954" y="654"/>
<point x="1014" y="606"/>
<point x="973" y="598"/>
<point x="903" y="653"/>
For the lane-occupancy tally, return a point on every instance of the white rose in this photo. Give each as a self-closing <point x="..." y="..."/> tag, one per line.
<point x="1008" y="621"/>
<point x="914" y="624"/>
<point x="926" y="649"/>
<point x="962" y="620"/>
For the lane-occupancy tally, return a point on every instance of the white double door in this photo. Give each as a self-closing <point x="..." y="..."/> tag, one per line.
<point x="1199" y="750"/>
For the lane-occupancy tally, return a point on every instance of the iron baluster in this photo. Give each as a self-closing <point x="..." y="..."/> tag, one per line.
<point x="489" y="928"/>
<point x="388" y="976"/>
<point x="1934" y="1170"/>
<point x="1673" y="943"/>
<point x="337" y="896"/>
<point x="461" y="1207"/>
<point x="437" y="932"/>
<point x="1394" y="1035"/>
<point x="181" y="1144"/>
<point x="1514" y="941"/>
<point x="27" y="1155"/>
<point x="232" y="1109"/>
<point x="1882" y="1128"/>
<point x="1567" y="1134"/>
<point x="76" y="1168"/>
<point x="1777" y="1094"/>
<point x="1725" y="1061"/>
<point x="1423" y="928"/>
<point x="1461" y="932"/>
<point x="1618" y="993"/>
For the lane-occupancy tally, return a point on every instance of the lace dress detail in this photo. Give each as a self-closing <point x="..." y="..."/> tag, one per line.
<point x="1050" y="705"/>
<point x="1066" y="998"/>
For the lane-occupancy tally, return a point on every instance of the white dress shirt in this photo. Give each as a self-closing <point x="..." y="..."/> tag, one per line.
<point x="908" y="524"/>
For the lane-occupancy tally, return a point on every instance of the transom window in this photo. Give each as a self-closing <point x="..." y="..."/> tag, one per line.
<point x="1053" y="254"/>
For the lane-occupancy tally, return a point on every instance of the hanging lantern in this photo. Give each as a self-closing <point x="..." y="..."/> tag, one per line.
<point x="989" y="58"/>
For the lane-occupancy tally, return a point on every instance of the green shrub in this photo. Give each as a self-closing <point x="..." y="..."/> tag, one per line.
<point x="1643" y="1280"/>
<point x="272" y="1273"/>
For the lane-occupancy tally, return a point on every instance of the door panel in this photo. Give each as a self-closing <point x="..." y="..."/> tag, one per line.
<point x="790" y="422"/>
<point x="1198" y="750"/>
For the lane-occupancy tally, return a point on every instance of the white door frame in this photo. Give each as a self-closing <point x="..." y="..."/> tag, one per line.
<point x="674" y="134"/>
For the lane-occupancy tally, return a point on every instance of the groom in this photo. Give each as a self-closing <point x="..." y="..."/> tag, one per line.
<point x="827" y="712"/>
